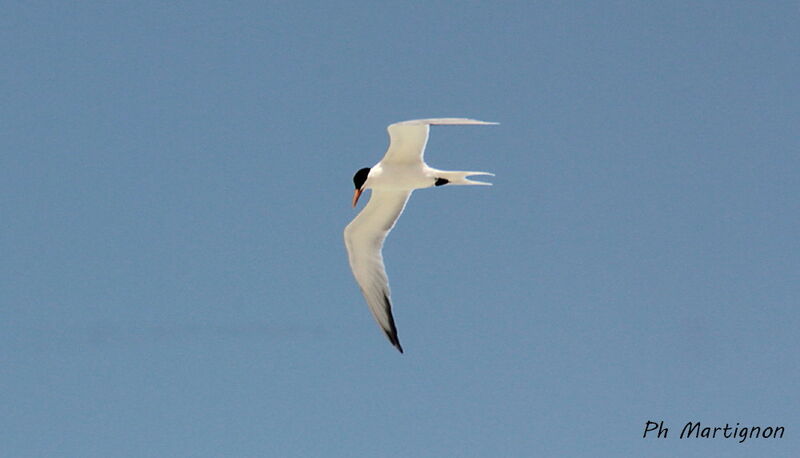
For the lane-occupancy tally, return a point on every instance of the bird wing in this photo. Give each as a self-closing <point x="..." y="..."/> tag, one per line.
<point x="407" y="139"/>
<point x="364" y="238"/>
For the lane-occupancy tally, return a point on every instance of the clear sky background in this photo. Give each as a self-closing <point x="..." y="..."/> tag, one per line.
<point x="175" y="178"/>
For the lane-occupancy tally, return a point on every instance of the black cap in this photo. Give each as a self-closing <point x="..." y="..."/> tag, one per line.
<point x="360" y="177"/>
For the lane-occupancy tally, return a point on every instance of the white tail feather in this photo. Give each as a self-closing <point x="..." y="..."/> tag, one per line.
<point x="460" y="178"/>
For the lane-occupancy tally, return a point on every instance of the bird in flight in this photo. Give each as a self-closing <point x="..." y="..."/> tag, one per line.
<point x="392" y="180"/>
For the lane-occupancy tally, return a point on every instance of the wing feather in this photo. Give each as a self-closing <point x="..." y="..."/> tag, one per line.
<point x="407" y="139"/>
<point x="364" y="238"/>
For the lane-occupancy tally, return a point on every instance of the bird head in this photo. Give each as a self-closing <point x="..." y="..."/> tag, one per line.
<point x="359" y="180"/>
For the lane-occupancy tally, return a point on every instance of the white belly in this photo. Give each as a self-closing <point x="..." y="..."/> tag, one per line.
<point x="400" y="177"/>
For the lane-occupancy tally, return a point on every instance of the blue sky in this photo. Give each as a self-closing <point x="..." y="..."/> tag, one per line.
<point x="175" y="179"/>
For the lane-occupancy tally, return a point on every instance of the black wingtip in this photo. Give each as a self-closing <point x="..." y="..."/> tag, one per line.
<point x="391" y="333"/>
<point x="393" y="339"/>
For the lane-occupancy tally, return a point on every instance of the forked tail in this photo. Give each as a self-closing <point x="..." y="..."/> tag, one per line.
<point x="460" y="178"/>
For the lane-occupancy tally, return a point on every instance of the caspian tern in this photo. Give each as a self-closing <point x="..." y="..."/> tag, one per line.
<point x="392" y="180"/>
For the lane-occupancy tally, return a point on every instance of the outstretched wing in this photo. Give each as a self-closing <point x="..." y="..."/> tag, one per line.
<point x="407" y="139"/>
<point x="364" y="238"/>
